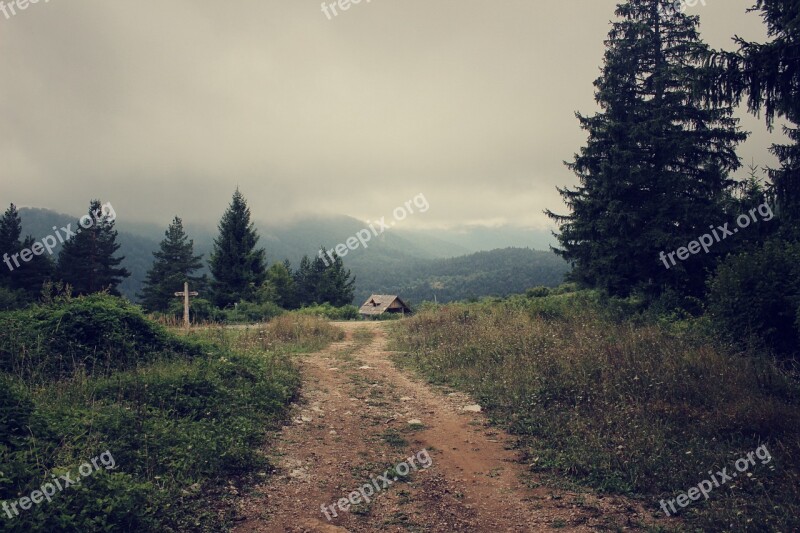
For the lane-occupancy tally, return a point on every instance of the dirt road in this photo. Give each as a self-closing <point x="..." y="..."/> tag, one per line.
<point x="360" y="415"/>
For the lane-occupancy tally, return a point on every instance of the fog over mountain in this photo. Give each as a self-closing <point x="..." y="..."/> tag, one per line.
<point x="164" y="109"/>
<point x="407" y="261"/>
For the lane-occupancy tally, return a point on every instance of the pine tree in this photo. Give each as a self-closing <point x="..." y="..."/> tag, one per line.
<point x="279" y="287"/>
<point x="238" y="268"/>
<point x="769" y="74"/>
<point x="335" y="285"/>
<point x="16" y="273"/>
<point x="654" y="173"/>
<point x="175" y="263"/>
<point x="10" y="231"/>
<point x="87" y="260"/>
<point x="32" y="275"/>
<point x="305" y="283"/>
<point x="321" y="281"/>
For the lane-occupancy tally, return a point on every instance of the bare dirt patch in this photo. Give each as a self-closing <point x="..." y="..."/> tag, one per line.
<point x="359" y="415"/>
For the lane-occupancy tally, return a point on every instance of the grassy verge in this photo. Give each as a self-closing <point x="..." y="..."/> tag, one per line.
<point x="203" y="312"/>
<point x="181" y="416"/>
<point x="625" y="407"/>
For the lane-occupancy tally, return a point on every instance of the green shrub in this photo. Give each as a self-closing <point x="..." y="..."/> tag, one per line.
<point x="102" y="502"/>
<point x="11" y="299"/>
<point x="537" y="292"/>
<point x="93" y="334"/>
<point x="200" y="310"/>
<point x="326" y="310"/>
<point x="248" y="312"/>
<point x="756" y="294"/>
<point x="16" y="409"/>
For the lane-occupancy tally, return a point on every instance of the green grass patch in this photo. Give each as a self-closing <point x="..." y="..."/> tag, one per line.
<point x="182" y="415"/>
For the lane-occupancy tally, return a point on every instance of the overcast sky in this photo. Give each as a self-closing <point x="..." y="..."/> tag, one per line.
<point x="163" y="108"/>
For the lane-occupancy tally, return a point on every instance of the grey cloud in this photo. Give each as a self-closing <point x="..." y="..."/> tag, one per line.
<point x="163" y="108"/>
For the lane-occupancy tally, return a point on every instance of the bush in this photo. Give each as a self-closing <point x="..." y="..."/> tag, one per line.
<point x="92" y="334"/>
<point x="756" y="294"/>
<point x="16" y="409"/>
<point x="248" y="312"/>
<point x="11" y="299"/>
<point x="537" y="292"/>
<point x="326" y="310"/>
<point x="200" y="310"/>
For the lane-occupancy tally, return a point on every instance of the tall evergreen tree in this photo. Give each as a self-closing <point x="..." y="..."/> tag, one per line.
<point x="279" y="287"/>
<point x="769" y="75"/>
<point x="755" y="294"/>
<point x="238" y="268"/>
<point x="175" y="264"/>
<point x="654" y="172"/>
<point x="305" y="283"/>
<point x="321" y="281"/>
<point x="10" y="231"/>
<point x="87" y="260"/>
<point x="33" y="274"/>
<point x="16" y="273"/>
<point x="335" y="285"/>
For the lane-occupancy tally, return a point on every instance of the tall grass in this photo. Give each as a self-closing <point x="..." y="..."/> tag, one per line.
<point x="625" y="407"/>
<point x="289" y="333"/>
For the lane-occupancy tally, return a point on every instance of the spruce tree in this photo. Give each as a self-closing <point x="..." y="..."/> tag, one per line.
<point x="305" y="283"/>
<point x="322" y="281"/>
<point x="175" y="264"/>
<point x="238" y="268"/>
<point x="335" y="285"/>
<point x="10" y="231"/>
<point x="755" y="294"/>
<point x="32" y="275"/>
<point x="16" y="273"/>
<point x="279" y="287"/>
<point x="769" y="75"/>
<point x="87" y="260"/>
<point x="654" y="172"/>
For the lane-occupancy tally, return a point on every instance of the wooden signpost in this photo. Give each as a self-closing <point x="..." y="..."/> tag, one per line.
<point x="185" y="293"/>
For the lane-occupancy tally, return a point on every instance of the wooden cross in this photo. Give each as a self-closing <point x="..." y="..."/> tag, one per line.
<point x="185" y="293"/>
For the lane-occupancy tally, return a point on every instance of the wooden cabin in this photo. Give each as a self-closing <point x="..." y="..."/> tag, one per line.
<point x="378" y="304"/>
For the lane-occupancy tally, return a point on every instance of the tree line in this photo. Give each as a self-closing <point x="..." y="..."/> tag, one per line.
<point x="88" y="263"/>
<point x="656" y="171"/>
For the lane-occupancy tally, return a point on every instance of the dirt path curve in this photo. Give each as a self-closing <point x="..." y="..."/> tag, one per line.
<point x="352" y="424"/>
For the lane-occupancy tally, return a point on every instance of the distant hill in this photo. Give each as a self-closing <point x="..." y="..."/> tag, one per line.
<point x="491" y="273"/>
<point x="137" y="250"/>
<point x="415" y="264"/>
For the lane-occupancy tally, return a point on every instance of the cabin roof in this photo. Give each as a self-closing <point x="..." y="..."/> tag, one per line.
<point x="380" y="303"/>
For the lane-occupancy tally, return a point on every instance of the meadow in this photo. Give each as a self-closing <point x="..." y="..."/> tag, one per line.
<point x="603" y="395"/>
